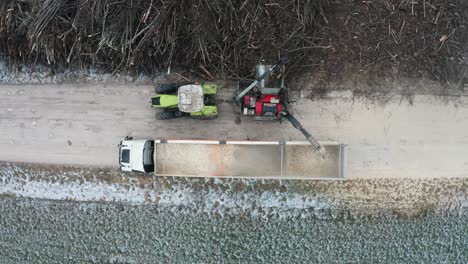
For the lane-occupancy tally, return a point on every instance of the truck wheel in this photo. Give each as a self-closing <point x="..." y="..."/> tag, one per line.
<point x="164" y="115"/>
<point x="167" y="88"/>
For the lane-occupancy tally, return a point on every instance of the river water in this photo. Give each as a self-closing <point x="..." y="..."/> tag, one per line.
<point x="36" y="230"/>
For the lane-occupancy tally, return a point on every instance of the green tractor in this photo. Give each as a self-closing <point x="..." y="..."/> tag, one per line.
<point x="180" y="100"/>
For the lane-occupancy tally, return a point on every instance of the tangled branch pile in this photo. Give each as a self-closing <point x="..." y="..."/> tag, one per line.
<point x="400" y="38"/>
<point x="339" y="38"/>
<point x="224" y="37"/>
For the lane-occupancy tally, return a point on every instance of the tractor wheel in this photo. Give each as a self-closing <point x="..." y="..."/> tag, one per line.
<point x="165" y="115"/>
<point x="167" y="88"/>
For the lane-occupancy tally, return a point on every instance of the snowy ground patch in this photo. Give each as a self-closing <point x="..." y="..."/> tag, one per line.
<point x="40" y="74"/>
<point x="261" y="199"/>
<point x="93" y="185"/>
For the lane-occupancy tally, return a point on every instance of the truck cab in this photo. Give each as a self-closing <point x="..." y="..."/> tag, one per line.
<point x="136" y="155"/>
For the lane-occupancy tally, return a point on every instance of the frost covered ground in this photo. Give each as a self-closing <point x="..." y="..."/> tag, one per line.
<point x="40" y="74"/>
<point x="68" y="214"/>
<point x="64" y="231"/>
<point x="262" y="199"/>
<point x="214" y="197"/>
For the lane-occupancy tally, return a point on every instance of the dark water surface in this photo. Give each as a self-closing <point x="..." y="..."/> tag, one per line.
<point x="64" y="232"/>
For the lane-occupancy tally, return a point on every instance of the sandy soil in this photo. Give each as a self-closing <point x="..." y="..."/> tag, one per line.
<point x="81" y="124"/>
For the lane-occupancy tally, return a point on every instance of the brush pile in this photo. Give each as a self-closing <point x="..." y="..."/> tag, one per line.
<point x="227" y="38"/>
<point x="398" y="38"/>
<point x="223" y="37"/>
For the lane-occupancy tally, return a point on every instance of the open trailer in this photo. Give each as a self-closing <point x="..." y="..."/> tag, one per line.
<point x="240" y="159"/>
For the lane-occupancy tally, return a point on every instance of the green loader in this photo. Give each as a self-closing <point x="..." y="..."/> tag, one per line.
<point x="185" y="100"/>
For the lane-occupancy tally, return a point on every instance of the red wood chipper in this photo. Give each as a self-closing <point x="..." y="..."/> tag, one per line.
<point x="266" y="98"/>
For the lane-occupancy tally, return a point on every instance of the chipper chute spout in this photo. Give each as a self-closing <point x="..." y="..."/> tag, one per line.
<point x="317" y="146"/>
<point x="241" y="94"/>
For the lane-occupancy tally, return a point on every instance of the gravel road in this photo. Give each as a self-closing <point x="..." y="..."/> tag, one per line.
<point x="81" y="124"/>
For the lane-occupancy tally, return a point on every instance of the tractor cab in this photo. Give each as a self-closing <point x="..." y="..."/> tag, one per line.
<point x="179" y="100"/>
<point x="190" y="98"/>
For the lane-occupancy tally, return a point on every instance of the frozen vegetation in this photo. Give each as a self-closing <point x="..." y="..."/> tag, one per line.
<point x="64" y="214"/>
<point x="40" y="74"/>
<point x="64" y="231"/>
<point x="259" y="199"/>
<point x="206" y="195"/>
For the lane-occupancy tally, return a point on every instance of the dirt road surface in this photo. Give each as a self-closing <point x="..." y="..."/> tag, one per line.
<point x="81" y="124"/>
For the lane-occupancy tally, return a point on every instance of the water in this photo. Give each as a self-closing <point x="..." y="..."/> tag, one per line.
<point x="34" y="230"/>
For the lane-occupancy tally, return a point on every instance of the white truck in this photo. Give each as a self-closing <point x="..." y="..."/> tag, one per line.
<point x="231" y="158"/>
